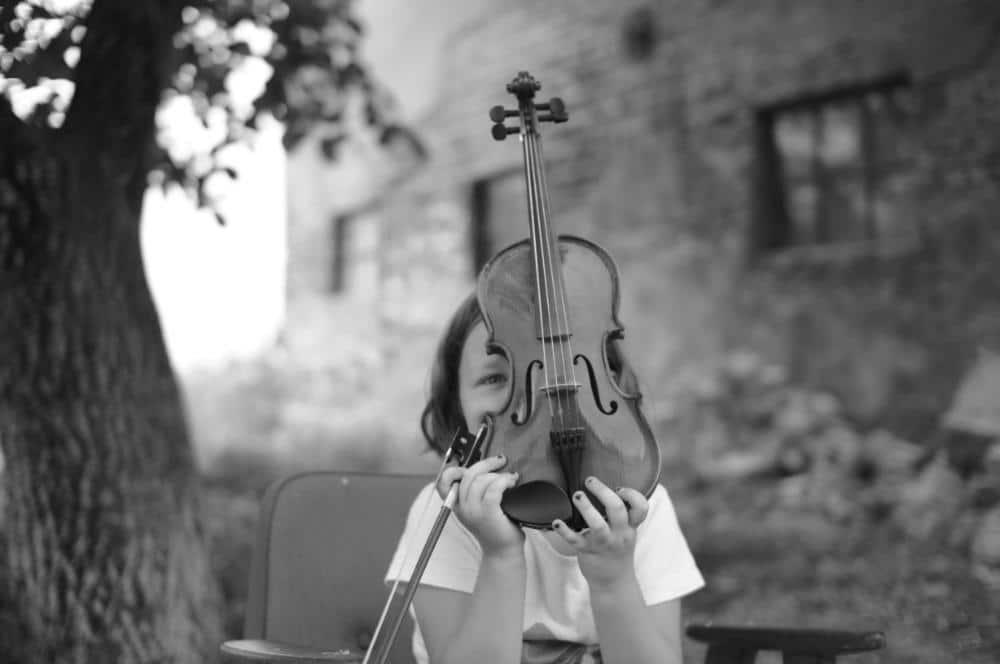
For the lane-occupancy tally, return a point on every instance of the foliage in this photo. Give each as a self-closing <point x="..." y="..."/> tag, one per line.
<point x="238" y="64"/>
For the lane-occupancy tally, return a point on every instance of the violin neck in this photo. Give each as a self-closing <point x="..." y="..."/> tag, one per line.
<point x="552" y="323"/>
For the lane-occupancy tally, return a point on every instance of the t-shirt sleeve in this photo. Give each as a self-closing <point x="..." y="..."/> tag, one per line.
<point x="454" y="564"/>
<point x="664" y="565"/>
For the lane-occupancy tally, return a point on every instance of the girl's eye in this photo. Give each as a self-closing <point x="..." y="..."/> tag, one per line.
<point x="492" y="379"/>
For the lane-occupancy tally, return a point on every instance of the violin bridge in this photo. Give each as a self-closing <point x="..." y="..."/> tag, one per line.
<point x="552" y="338"/>
<point x="560" y="387"/>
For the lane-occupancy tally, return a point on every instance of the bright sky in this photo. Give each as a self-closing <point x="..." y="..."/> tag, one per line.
<point x="220" y="289"/>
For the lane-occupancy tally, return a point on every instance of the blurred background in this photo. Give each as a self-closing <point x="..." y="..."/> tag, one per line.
<point x="802" y="202"/>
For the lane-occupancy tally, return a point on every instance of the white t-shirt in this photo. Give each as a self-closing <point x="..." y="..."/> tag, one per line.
<point x="557" y="611"/>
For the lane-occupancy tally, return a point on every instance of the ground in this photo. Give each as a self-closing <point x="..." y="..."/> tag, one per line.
<point x="771" y="566"/>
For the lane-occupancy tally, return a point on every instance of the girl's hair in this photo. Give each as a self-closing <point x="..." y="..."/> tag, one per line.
<point x="443" y="415"/>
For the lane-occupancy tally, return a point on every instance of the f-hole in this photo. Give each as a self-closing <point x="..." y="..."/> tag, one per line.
<point x="529" y="396"/>
<point x="613" y="405"/>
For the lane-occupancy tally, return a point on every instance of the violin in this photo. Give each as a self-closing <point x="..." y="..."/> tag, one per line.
<point x="550" y="306"/>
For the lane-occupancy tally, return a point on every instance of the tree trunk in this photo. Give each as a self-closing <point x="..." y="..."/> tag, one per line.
<point x="102" y="551"/>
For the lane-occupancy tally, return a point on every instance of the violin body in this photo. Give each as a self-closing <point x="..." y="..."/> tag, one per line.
<point x="564" y="381"/>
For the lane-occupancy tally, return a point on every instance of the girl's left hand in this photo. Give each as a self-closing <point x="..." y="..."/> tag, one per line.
<point x="605" y="549"/>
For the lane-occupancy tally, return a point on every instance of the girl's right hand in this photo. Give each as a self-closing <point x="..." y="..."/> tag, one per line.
<point x="480" y="488"/>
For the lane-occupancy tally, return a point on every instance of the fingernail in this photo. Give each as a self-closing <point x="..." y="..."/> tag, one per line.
<point x="578" y="495"/>
<point x="590" y="480"/>
<point x="557" y="523"/>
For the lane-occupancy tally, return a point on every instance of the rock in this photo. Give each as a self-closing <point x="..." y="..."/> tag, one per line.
<point x="991" y="461"/>
<point x="985" y="549"/>
<point x="741" y="364"/>
<point x="792" y="491"/>
<point x="962" y="529"/>
<point x="807" y="531"/>
<point x="824" y="405"/>
<point x="739" y="464"/>
<point x="795" y="418"/>
<point x="772" y="375"/>
<point x="931" y="500"/>
<point x="889" y="453"/>
<point x="839" y="445"/>
<point x="983" y="492"/>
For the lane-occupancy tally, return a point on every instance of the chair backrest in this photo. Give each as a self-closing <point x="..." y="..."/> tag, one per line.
<point x="324" y="541"/>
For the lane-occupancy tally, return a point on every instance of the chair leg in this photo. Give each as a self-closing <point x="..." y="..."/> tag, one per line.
<point x="719" y="654"/>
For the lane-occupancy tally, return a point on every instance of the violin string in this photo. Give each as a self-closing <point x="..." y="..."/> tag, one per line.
<point x="569" y="367"/>
<point x="549" y="268"/>
<point x="540" y="264"/>
<point x="551" y="252"/>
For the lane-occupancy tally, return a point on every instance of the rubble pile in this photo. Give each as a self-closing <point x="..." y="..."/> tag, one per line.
<point x="747" y="421"/>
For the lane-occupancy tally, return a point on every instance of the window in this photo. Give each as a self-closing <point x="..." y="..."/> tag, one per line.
<point x="835" y="168"/>
<point x="498" y="214"/>
<point x="354" y="267"/>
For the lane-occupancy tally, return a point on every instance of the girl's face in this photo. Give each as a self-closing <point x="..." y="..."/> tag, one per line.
<point x="482" y="379"/>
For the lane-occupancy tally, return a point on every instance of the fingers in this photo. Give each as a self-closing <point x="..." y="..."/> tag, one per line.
<point x="614" y="507"/>
<point x="497" y="484"/>
<point x="477" y="478"/>
<point x="624" y="510"/>
<point x="574" y="538"/>
<point x="449" y="476"/>
<point x="636" y="504"/>
<point x="598" y="526"/>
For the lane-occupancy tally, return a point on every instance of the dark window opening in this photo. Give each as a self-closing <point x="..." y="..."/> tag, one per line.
<point x="835" y="167"/>
<point x="354" y="262"/>
<point x="498" y="215"/>
<point x="337" y="274"/>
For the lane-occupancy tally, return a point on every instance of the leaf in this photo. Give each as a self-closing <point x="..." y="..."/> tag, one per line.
<point x="306" y="32"/>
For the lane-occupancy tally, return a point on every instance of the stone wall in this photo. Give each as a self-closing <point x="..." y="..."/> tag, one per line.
<point x="657" y="164"/>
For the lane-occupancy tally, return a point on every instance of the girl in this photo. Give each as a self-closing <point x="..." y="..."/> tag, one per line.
<point x="493" y="592"/>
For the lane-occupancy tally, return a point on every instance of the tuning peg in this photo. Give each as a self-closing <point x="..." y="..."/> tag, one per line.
<point x="556" y="111"/>
<point x="498" y="114"/>
<point x="552" y="117"/>
<point x="500" y="131"/>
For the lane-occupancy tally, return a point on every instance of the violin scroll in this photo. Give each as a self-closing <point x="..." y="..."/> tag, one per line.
<point x="524" y="87"/>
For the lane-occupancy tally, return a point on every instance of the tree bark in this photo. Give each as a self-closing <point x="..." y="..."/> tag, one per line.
<point x="102" y="550"/>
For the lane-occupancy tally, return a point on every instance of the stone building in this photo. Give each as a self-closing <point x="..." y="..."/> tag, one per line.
<point x="812" y="180"/>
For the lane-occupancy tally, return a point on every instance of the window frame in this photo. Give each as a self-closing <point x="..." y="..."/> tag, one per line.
<point x="772" y="231"/>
